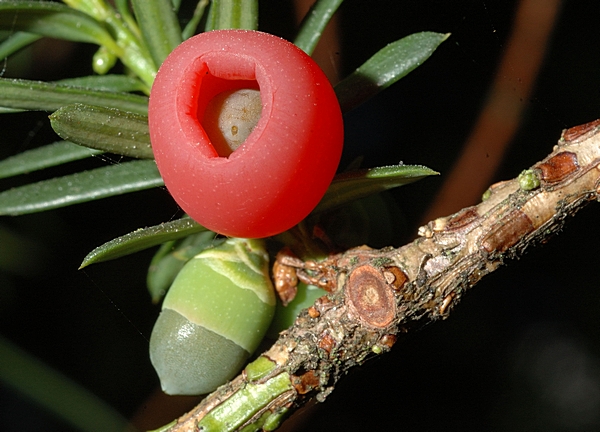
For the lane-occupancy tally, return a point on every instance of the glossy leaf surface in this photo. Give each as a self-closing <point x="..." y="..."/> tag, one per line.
<point x="314" y="23"/>
<point x="192" y="25"/>
<point x="15" y="42"/>
<point x="345" y="188"/>
<point x="80" y="187"/>
<point x="232" y="14"/>
<point x="53" y="20"/>
<point x="108" y="129"/>
<point x="353" y="185"/>
<point x="41" y="96"/>
<point x="44" y="157"/>
<point x="386" y="67"/>
<point x="141" y="239"/>
<point x="110" y="83"/>
<point x="159" y="27"/>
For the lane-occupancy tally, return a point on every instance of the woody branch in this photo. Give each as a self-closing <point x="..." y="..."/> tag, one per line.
<point x="376" y="295"/>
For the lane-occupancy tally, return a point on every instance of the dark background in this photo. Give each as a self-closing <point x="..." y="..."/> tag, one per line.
<point x="520" y="352"/>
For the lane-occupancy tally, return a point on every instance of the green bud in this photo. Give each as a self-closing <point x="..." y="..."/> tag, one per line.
<point x="213" y="318"/>
<point x="486" y="195"/>
<point x="170" y="259"/>
<point x="103" y="61"/>
<point x="528" y="180"/>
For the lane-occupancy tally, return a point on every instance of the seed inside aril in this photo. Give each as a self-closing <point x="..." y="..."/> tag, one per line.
<point x="230" y="117"/>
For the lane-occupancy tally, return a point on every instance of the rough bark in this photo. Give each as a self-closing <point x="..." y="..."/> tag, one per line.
<point x="376" y="295"/>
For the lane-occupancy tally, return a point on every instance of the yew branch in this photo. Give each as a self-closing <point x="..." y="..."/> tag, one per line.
<point x="375" y="295"/>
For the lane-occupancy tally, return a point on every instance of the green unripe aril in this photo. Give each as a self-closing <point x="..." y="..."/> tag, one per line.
<point x="170" y="259"/>
<point x="213" y="318"/>
<point x="189" y="358"/>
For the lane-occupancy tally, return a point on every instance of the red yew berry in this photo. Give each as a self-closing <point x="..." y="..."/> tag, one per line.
<point x="268" y="182"/>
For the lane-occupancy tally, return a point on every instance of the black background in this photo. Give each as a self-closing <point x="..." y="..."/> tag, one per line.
<point x="520" y="352"/>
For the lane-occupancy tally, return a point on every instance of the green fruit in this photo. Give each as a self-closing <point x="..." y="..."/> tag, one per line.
<point x="170" y="259"/>
<point x="213" y="317"/>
